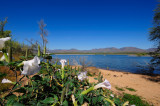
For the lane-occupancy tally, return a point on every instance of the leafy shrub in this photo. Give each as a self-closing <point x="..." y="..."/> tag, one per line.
<point x="48" y="88"/>
<point x="133" y="99"/>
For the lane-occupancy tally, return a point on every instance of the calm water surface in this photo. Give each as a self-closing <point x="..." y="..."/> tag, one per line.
<point x="124" y="63"/>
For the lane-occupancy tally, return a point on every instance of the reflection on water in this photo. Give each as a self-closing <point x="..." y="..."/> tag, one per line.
<point x="114" y="62"/>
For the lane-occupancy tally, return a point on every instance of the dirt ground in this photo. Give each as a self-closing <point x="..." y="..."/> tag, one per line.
<point x="147" y="87"/>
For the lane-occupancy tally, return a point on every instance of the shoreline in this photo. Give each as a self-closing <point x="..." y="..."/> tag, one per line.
<point x="125" y="72"/>
<point x="140" y="73"/>
<point x="140" y="83"/>
<point x="74" y="54"/>
<point x="100" y="54"/>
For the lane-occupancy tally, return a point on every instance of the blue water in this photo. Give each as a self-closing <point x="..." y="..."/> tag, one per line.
<point x="123" y="63"/>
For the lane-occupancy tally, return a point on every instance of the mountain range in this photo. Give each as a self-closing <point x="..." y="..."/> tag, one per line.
<point x="105" y="50"/>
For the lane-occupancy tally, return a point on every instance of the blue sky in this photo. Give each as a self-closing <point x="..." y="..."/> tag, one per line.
<point x="81" y="24"/>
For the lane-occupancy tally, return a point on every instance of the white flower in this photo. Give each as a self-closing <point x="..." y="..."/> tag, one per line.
<point x="31" y="67"/>
<point x="3" y="40"/>
<point x="82" y="76"/>
<point x="62" y="61"/>
<point x="3" y="58"/>
<point x="133" y="105"/>
<point x="104" y="84"/>
<point x="112" y="95"/>
<point x="6" y="81"/>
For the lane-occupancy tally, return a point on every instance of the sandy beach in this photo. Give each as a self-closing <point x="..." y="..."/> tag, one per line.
<point x="147" y="87"/>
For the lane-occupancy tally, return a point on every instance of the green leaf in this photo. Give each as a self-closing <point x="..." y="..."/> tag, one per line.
<point x="39" y="104"/>
<point x="80" y="99"/>
<point x="55" y="97"/>
<point x="11" y="96"/>
<point x="17" y="86"/>
<point x="94" y="100"/>
<point x="65" y="103"/>
<point x="22" y="58"/>
<point x="48" y="100"/>
<point x="30" y="56"/>
<point x="117" y="100"/>
<point x="71" y="84"/>
<point x="10" y="99"/>
<point x="10" y="102"/>
<point x="88" y="98"/>
<point x="18" y="104"/>
<point x="11" y="63"/>
<point x="100" y="98"/>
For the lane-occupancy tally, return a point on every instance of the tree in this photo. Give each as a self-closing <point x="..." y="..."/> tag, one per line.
<point x="155" y="37"/>
<point x="2" y="32"/>
<point x="43" y="32"/>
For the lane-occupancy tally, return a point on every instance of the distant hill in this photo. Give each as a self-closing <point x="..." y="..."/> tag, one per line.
<point x="105" y="50"/>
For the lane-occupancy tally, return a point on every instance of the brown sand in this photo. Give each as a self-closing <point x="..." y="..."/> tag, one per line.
<point x="146" y="88"/>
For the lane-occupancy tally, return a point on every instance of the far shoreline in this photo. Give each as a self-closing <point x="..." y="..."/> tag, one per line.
<point x="126" y="72"/>
<point x="134" y="55"/>
<point x="74" y="54"/>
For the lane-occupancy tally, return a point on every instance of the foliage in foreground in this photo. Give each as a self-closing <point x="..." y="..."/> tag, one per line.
<point x="48" y="88"/>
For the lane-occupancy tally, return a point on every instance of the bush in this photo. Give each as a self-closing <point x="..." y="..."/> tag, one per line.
<point x="133" y="99"/>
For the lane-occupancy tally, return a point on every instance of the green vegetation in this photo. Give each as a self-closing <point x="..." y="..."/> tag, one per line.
<point x="142" y="54"/>
<point x="134" y="100"/>
<point x="90" y="74"/>
<point x="2" y="32"/>
<point x="130" y="89"/>
<point x="120" y="89"/>
<point x="50" y="87"/>
<point x="2" y="74"/>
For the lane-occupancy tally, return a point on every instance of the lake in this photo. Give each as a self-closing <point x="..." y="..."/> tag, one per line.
<point x="125" y="63"/>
